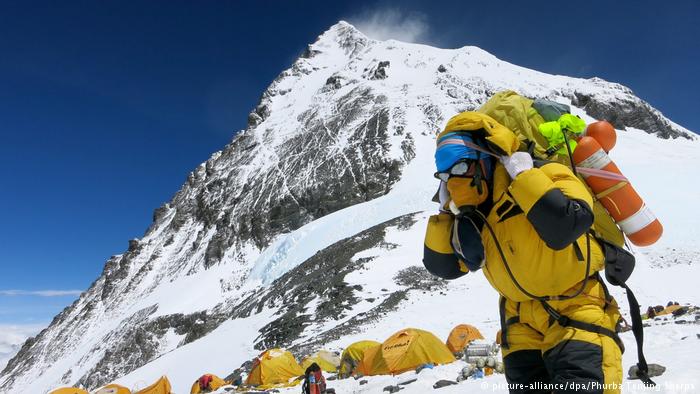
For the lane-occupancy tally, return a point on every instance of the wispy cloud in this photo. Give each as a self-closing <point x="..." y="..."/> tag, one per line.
<point x="12" y="336"/>
<point x="391" y="23"/>
<point x="40" y="293"/>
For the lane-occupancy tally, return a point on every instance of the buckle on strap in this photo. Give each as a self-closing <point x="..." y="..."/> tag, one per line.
<point x="563" y="320"/>
<point x="566" y="321"/>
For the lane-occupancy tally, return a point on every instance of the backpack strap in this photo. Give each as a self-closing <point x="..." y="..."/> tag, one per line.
<point x="619" y="265"/>
<point x="504" y="328"/>
<point x="505" y="323"/>
<point x="566" y="321"/>
<point x="638" y="331"/>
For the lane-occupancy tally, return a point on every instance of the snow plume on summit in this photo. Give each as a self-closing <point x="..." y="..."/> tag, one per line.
<point x="332" y="179"/>
<point x="393" y="24"/>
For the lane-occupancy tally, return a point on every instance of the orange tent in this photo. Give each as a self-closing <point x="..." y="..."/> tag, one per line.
<point x="403" y="351"/>
<point x="161" y="386"/>
<point x="353" y="355"/>
<point x="460" y="337"/>
<point x="69" y="390"/>
<point x="113" y="389"/>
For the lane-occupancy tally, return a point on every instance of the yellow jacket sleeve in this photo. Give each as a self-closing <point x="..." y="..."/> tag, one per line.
<point x="565" y="180"/>
<point x="556" y="203"/>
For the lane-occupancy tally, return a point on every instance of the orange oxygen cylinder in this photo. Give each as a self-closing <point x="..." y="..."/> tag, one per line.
<point x="604" y="133"/>
<point x="618" y="197"/>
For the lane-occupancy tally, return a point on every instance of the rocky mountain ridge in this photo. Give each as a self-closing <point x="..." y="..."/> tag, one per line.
<point x="351" y="123"/>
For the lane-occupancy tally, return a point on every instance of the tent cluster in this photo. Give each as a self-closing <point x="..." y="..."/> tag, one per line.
<point x="161" y="386"/>
<point x="403" y="351"/>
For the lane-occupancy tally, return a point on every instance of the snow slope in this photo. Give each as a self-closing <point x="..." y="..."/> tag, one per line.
<point x="340" y="142"/>
<point x="471" y="299"/>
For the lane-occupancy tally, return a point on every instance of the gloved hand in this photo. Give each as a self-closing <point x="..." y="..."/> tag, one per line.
<point x="517" y="163"/>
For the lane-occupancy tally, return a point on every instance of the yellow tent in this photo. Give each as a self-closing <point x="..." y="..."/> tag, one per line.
<point x="212" y="381"/>
<point x="69" y="390"/>
<point x="113" y="389"/>
<point x="328" y="361"/>
<point x="669" y="310"/>
<point x="352" y="356"/>
<point x="161" y="386"/>
<point x="274" y="367"/>
<point x="365" y="365"/>
<point x="403" y="351"/>
<point x="460" y="337"/>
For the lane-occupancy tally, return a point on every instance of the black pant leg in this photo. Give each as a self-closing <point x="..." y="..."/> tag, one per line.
<point x="576" y="367"/>
<point x="526" y="368"/>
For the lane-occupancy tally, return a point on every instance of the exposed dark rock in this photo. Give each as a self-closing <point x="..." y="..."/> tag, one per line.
<point x="419" y="278"/>
<point x="116" y="269"/>
<point x="442" y="68"/>
<point x="140" y="343"/>
<point x="263" y="111"/>
<point x="408" y="147"/>
<point x="443" y="383"/>
<point x="334" y="82"/>
<point x="160" y="212"/>
<point x="654" y="370"/>
<point x="300" y="286"/>
<point x="380" y="72"/>
<point x="631" y="113"/>
<point x="254" y="120"/>
<point x="309" y="53"/>
<point x="134" y="245"/>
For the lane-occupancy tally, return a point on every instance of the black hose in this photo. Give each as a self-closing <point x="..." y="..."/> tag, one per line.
<point x="568" y="150"/>
<point x="520" y="287"/>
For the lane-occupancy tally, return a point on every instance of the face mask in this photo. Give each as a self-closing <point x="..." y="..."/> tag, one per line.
<point x="466" y="193"/>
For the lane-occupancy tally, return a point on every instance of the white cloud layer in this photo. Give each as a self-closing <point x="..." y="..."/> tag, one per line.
<point x="12" y="336"/>
<point x="391" y="23"/>
<point x="41" y="293"/>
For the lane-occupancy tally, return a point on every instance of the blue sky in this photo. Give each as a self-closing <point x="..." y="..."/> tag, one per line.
<point x="106" y="106"/>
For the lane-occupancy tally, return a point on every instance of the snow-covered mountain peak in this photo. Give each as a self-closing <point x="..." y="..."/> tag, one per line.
<point x="335" y="161"/>
<point x="342" y="34"/>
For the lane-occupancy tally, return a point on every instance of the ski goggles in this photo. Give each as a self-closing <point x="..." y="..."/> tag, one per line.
<point x="464" y="168"/>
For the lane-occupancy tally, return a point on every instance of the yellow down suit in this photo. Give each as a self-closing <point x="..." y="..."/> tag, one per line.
<point x="559" y="324"/>
<point x="541" y="221"/>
